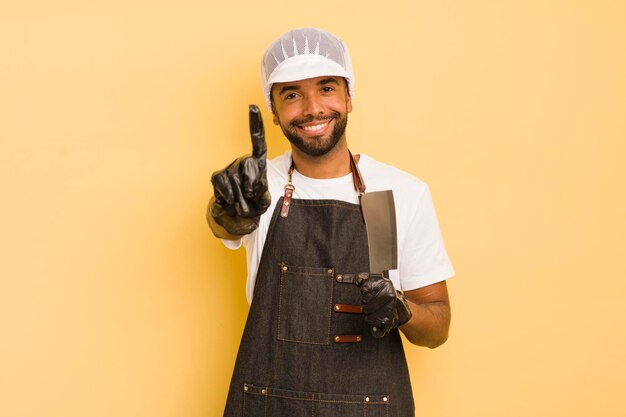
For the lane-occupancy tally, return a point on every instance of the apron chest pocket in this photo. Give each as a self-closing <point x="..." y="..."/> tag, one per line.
<point x="267" y="401"/>
<point x="305" y="304"/>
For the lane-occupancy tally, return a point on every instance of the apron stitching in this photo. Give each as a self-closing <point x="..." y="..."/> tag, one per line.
<point x="331" y="205"/>
<point x="243" y="404"/>
<point x="304" y="343"/>
<point x="318" y="400"/>
<point x="280" y="298"/>
<point x="303" y="273"/>
<point x="330" y="309"/>
<point x="280" y="304"/>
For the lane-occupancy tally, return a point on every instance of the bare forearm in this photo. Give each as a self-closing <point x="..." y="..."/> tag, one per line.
<point x="429" y="324"/>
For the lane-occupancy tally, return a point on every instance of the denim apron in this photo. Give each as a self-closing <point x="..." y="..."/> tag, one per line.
<point x="306" y="350"/>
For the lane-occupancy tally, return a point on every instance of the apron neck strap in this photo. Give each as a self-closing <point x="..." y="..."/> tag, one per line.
<point x="359" y="184"/>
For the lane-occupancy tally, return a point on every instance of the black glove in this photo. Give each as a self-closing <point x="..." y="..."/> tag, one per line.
<point x="240" y="190"/>
<point x="383" y="306"/>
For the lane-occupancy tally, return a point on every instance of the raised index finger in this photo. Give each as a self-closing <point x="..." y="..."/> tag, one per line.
<point x="257" y="132"/>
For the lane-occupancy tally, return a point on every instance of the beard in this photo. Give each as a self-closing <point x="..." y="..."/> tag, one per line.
<point x="316" y="145"/>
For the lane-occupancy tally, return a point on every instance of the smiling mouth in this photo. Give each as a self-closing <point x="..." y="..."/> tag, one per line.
<point x="315" y="128"/>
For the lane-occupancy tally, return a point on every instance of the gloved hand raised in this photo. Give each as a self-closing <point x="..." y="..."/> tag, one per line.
<point x="384" y="307"/>
<point x="240" y="190"/>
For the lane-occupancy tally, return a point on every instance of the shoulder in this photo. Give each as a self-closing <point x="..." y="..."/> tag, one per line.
<point x="411" y="195"/>
<point x="380" y="176"/>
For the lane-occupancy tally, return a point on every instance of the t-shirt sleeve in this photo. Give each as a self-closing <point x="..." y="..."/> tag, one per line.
<point x="253" y="256"/>
<point x="423" y="259"/>
<point x="232" y="244"/>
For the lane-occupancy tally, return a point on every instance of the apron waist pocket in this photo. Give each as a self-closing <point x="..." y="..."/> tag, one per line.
<point x="269" y="401"/>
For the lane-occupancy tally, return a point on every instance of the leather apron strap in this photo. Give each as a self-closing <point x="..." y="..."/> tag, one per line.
<point x="359" y="185"/>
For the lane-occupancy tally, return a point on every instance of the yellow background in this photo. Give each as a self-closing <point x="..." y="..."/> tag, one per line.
<point x="115" y="300"/>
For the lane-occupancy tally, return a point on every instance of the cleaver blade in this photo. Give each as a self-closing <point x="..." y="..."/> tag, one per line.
<point x="379" y="212"/>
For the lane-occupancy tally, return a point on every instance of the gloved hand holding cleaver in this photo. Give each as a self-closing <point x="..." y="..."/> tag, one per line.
<point x="384" y="307"/>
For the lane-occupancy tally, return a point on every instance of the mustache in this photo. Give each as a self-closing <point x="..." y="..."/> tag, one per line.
<point x="309" y="119"/>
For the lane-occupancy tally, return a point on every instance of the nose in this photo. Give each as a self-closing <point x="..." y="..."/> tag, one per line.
<point x="312" y="105"/>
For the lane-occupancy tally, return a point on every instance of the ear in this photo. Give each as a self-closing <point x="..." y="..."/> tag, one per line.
<point x="348" y="98"/>
<point x="274" y="115"/>
<point x="348" y="101"/>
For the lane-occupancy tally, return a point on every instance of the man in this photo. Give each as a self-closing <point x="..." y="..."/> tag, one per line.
<point x="322" y="336"/>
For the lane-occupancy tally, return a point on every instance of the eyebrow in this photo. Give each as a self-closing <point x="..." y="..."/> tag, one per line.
<point x="287" y="88"/>
<point x="320" y="82"/>
<point x="328" y="81"/>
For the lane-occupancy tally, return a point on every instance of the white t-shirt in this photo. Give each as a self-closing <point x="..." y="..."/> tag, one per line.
<point x="422" y="257"/>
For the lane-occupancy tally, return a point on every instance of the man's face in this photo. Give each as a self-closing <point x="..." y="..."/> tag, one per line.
<point x="312" y="113"/>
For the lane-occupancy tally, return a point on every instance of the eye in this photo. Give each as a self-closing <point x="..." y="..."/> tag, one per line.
<point x="290" y="96"/>
<point x="327" y="89"/>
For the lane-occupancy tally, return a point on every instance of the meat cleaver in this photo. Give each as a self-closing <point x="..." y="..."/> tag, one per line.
<point x="379" y="213"/>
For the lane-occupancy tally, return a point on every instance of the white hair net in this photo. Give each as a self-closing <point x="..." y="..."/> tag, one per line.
<point x="305" y="53"/>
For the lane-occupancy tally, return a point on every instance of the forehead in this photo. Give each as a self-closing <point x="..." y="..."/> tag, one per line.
<point x="307" y="82"/>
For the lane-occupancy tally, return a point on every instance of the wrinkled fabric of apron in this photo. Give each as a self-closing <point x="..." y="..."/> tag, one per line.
<point x="290" y="362"/>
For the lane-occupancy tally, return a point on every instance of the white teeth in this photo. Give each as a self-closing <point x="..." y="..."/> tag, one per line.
<point x="315" y="127"/>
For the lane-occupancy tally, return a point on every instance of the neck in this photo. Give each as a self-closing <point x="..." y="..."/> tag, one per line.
<point x="334" y="164"/>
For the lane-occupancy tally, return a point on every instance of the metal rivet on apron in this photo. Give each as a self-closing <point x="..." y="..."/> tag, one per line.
<point x="286" y="203"/>
<point x="283" y="214"/>
<point x="339" y="278"/>
<point x="337" y="308"/>
<point x="385" y="399"/>
<point x="337" y="338"/>
<point x="330" y="270"/>
<point x="284" y="267"/>
<point x="367" y="399"/>
<point x="358" y="338"/>
<point x="245" y="388"/>
<point x="264" y="391"/>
